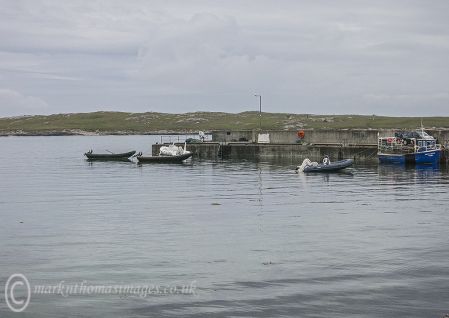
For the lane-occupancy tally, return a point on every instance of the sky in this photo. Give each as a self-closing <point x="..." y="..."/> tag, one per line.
<point x="378" y="57"/>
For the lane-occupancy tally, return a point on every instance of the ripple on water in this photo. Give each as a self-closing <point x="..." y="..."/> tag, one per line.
<point x="256" y="238"/>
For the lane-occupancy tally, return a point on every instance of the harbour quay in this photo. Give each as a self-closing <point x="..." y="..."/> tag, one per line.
<point x="357" y="144"/>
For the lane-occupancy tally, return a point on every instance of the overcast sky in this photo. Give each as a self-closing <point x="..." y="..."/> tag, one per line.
<point x="380" y="57"/>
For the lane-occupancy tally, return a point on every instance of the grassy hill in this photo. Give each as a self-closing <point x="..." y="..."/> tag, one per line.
<point x="140" y="123"/>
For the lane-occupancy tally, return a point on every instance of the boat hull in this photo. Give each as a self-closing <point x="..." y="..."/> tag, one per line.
<point x="164" y="159"/>
<point x="391" y="158"/>
<point x="332" y="167"/>
<point x="428" y="157"/>
<point x="109" y="156"/>
<point x="407" y="158"/>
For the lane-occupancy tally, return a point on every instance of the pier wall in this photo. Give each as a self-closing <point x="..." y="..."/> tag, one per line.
<point x="357" y="144"/>
<point x="300" y="152"/>
<point x="211" y="150"/>
<point x="344" y="137"/>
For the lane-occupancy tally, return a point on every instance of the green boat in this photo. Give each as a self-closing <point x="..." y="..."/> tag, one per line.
<point x="164" y="159"/>
<point x="109" y="156"/>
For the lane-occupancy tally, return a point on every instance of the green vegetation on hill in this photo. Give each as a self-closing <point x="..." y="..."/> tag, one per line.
<point x="139" y="123"/>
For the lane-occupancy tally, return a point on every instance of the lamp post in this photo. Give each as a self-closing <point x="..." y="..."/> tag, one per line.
<point x="260" y="110"/>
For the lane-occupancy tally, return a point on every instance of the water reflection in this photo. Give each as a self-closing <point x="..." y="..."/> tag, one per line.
<point x="400" y="173"/>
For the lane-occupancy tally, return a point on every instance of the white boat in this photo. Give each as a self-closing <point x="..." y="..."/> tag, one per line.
<point x="173" y="150"/>
<point x="167" y="154"/>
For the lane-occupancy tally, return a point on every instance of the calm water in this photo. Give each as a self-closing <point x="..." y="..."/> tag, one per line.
<point x="254" y="239"/>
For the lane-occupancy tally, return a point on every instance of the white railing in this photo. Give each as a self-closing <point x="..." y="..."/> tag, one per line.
<point x="169" y="139"/>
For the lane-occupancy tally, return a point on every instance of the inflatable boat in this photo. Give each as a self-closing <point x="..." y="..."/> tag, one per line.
<point x="309" y="166"/>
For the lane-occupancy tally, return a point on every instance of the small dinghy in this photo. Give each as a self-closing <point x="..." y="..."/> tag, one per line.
<point x="109" y="156"/>
<point x="167" y="154"/>
<point x="326" y="166"/>
<point x="164" y="159"/>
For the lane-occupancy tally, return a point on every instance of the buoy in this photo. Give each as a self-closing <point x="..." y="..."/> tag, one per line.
<point x="300" y="134"/>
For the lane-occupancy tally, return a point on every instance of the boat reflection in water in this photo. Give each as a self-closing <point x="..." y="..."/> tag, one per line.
<point x="401" y="174"/>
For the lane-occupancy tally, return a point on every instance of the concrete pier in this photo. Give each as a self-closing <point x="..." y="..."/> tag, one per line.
<point x="343" y="137"/>
<point x="215" y="150"/>
<point x="357" y="144"/>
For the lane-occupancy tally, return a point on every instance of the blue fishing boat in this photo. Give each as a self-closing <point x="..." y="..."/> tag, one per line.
<point x="428" y="157"/>
<point x="409" y="147"/>
<point x="427" y="150"/>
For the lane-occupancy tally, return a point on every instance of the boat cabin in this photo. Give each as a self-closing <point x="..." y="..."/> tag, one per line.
<point x="425" y="145"/>
<point x="407" y="142"/>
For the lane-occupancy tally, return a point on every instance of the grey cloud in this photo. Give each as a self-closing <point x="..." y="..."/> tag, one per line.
<point x="13" y="103"/>
<point x="303" y="56"/>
